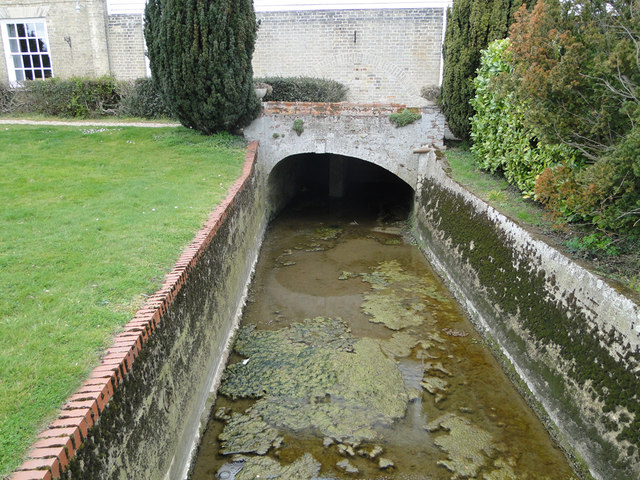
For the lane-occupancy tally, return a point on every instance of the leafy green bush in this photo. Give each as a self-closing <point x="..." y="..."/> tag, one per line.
<point x="606" y="193"/>
<point x="141" y="98"/>
<point x="304" y="89"/>
<point x="404" y="118"/>
<point x="576" y="66"/>
<point x="471" y="26"/>
<point x="298" y="126"/>
<point x="593" y="243"/>
<point x="502" y="141"/>
<point x="76" y="97"/>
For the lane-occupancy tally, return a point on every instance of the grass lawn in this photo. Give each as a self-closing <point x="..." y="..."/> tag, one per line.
<point x="494" y="189"/>
<point x="91" y="219"/>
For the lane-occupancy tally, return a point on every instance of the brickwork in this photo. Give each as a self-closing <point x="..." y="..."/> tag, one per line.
<point x="384" y="55"/>
<point x="59" y="444"/>
<point x="76" y="31"/>
<point x="381" y="55"/>
<point x="126" y="42"/>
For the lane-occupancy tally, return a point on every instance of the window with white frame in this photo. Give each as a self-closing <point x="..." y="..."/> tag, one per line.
<point x="26" y="48"/>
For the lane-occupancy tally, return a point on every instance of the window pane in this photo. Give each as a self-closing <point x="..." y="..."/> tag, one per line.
<point x="28" y="46"/>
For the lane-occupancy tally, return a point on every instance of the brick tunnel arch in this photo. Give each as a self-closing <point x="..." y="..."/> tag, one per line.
<point x="331" y="175"/>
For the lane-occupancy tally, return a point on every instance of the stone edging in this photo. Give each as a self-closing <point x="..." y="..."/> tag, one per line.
<point x="335" y="109"/>
<point x="51" y="454"/>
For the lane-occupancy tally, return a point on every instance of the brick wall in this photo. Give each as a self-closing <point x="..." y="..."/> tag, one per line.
<point x="381" y="55"/>
<point x="384" y="55"/>
<point x="126" y="46"/>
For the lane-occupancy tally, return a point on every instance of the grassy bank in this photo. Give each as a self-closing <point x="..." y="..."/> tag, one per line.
<point x="613" y="256"/>
<point x="91" y="220"/>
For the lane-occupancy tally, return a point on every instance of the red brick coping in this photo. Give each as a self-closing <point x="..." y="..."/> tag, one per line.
<point x="335" y="109"/>
<point x="56" y="446"/>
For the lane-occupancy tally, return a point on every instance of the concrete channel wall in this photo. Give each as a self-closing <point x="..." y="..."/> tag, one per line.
<point x="141" y="412"/>
<point x="571" y="337"/>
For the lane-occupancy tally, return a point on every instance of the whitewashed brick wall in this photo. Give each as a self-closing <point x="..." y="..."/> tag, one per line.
<point x="126" y="46"/>
<point x="381" y="55"/>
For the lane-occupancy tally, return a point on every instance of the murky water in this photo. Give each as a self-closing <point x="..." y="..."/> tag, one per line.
<point x="362" y="365"/>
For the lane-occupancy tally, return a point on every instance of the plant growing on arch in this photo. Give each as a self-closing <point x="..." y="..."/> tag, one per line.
<point x="200" y="56"/>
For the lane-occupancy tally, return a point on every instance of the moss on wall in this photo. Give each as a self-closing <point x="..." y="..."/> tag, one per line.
<point x="149" y="419"/>
<point x="572" y="353"/>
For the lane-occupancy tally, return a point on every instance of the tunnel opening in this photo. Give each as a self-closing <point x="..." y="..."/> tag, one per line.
<point x="339" y="184"/>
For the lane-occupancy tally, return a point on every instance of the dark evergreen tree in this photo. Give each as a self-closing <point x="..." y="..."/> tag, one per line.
<point x="200" y="54"/>
<point x="471" y="26"/>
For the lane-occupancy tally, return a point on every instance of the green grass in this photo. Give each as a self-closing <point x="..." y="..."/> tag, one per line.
<point x="91" y="220"/>
<point x="493" y="189"/>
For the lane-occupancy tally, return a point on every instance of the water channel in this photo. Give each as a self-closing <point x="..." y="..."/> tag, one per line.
<point x="354" y="361"/>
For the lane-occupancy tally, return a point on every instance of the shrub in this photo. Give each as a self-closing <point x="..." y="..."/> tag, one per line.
<point x="594" y="243"/>
<point x="577" y="68"/>
<point x="141" y="98"/>
<point x="304" y="89"/>
<point x="502" y="141"/>
<point x="577" y="61"/>
<point x="606" y="193"/>
<point x="471" y="26"/>
<point x="298" y="126"/>
<point x="7" y="99"/>
<point x="404" y="118"/>
<point x="76" y="97"/>
<point x="200" y="56"/>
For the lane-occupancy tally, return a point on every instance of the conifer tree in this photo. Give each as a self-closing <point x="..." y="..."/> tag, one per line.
<point x="471" y="26"/>
<point x="200" y="56"/>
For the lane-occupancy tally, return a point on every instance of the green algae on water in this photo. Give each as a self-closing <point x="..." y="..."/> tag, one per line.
<point x="392" y="311"/>
<point x="398" y="299"/>
<point x="400" y="344"/>
<point x="315" y="376"/>
<point x="248" y="434"/>
<point x="327" y="233"/>
<point x="468" y="447"/>
<point x="305" y="468"/>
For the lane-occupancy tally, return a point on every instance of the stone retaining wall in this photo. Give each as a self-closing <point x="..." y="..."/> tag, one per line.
<point x="570" y="336"/>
